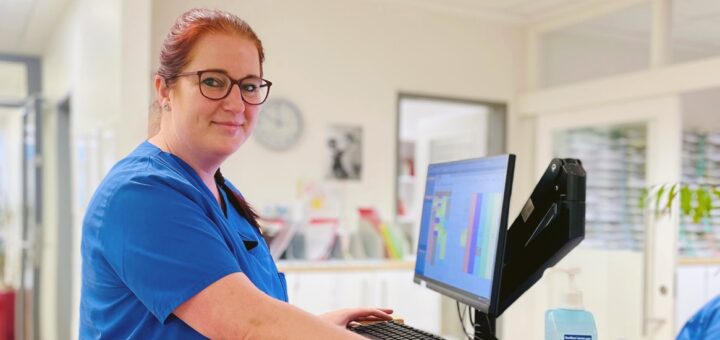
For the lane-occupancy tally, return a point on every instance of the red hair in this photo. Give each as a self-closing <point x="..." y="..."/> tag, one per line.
<point x="188" y="29"/>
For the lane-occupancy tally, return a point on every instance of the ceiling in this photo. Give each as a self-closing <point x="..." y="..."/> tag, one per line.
<point x="516" y="10"/>
<point x="26" y="25"/>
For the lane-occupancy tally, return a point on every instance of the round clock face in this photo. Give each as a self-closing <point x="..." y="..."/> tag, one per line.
<point x="279" y="125"/>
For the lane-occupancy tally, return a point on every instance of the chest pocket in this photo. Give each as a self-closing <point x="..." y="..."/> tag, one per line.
<point x="249" y="244"/>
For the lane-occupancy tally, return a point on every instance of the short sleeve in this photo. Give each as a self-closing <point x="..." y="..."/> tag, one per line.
<point x="163" y="244"/>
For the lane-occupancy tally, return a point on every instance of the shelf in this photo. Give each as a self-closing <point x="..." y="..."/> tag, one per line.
<point x="698" y="168"/>
<point x="616" y="159"/>
<point x="344" y="265"/>
<point x="699" y="261"/>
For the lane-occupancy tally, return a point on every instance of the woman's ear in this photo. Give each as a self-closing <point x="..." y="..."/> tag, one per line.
<point x="162" y="91"/>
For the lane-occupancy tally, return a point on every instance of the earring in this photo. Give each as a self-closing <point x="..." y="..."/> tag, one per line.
<point x="166" y="107"/>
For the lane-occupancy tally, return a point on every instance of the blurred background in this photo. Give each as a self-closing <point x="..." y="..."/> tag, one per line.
<point x="368" y="93"/>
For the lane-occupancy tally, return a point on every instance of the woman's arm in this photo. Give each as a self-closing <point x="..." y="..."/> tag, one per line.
<point x="233" y="308"/>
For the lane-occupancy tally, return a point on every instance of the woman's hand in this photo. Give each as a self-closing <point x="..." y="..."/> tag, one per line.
<point x="342" y="317"/>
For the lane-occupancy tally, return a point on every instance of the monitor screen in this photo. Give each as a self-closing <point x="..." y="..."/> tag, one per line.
<point x="463" y="228"/>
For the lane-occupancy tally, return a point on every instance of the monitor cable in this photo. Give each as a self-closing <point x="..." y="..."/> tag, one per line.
<point x="483" y="332"/>
<point x="468" y="310"/>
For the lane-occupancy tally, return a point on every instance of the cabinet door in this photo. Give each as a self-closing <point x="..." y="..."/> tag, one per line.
<point x="313" y="292"/>
<point x="418" y="306"/>
<point x="692" y="291"/>
<point x="320" y="292"/>
<point x="696" y="285"/>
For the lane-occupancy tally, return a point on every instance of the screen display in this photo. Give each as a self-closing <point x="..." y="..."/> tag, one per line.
<point x="461" y="217"/>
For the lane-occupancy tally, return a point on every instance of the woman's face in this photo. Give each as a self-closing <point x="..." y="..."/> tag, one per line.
<point x="208" y="127"/>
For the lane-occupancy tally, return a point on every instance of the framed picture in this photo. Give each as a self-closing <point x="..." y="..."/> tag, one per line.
<point x="344" y="152"/>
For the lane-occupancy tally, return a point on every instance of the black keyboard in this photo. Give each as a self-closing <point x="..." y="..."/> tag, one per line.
<point x="391" y="330"/>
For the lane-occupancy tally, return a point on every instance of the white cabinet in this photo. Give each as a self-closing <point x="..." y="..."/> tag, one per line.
<point x="319" y="289"/>
<point x="696" y="285"/>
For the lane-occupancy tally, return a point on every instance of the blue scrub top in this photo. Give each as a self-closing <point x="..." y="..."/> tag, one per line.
<point x="705" y="324"/>
<point x="153" y="237"/>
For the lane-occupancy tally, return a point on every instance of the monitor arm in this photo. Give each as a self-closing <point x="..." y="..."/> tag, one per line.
<point x="549" y="226"/>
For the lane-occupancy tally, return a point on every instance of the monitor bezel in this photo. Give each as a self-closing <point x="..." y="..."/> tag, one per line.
<point x="491" y="305"/>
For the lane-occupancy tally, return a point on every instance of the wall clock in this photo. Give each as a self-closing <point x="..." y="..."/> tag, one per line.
<point x="279" y="125"/>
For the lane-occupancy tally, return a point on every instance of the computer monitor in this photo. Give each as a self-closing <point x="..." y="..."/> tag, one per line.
<point x="463" y="229"/>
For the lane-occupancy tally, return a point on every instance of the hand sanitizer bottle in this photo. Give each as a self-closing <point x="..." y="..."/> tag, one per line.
<point x="569" y="321"/>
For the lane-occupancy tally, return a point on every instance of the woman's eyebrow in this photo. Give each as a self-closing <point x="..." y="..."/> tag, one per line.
<point x="216" y="70"/>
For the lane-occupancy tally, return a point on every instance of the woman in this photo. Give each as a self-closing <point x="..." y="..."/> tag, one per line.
<point x="170" y="249"/>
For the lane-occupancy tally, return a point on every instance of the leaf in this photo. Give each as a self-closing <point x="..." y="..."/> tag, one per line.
<point x="685" y="200"/>
<point x="704" y="204"/>
<point x="658" y="196"/>
<point x="671" y="197"/>
<point x="643" y="198"/>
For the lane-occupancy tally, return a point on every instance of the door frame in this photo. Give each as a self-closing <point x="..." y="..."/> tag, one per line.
<point x="28" y="306"/>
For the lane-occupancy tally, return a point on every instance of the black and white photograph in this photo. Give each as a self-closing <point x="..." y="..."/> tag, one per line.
<point x="344" y="152"/>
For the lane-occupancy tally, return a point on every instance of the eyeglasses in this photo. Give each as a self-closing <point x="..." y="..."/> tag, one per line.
<point x="217" y="84"/>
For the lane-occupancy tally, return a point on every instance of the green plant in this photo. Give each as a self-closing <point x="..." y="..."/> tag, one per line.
<point x="695" y="201"/>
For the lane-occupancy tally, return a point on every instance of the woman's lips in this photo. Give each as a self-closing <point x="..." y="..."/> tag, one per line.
<point x="229" y="126"/>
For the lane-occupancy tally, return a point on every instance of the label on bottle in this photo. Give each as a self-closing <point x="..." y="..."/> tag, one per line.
<point x="577" y="337"/>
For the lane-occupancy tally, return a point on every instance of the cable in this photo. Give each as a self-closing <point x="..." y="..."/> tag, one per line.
<point x="487" y="336"/>
<point x="462" y="321"/>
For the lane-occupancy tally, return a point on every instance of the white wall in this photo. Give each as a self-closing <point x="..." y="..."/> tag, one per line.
<point x="574" y="57"/>
<point x="344" y="62"/>
<point x="99" y="56"/>
<point x="698" y="107"/>
<point x="81" y="61"/>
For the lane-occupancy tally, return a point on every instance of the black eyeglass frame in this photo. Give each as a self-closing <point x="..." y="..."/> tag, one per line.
<point x="233" y="82"/>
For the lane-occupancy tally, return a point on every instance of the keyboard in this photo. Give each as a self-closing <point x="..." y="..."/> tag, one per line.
<point x="388" y="330"/>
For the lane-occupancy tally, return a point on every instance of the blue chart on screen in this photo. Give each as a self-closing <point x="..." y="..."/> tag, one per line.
<point x="460" y="224"/>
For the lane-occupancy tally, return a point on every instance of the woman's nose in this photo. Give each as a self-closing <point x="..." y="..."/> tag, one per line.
<point x="234" y="98"/>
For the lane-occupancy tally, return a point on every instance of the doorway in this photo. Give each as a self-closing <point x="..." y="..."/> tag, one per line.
<point x="434" y="129"/>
